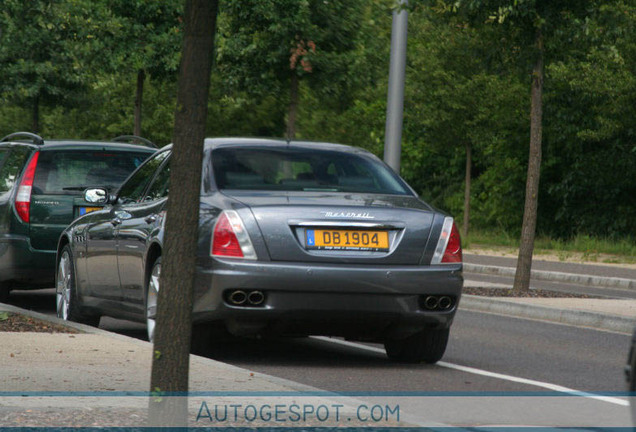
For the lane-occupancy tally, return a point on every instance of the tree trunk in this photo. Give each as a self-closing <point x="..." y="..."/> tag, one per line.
<point x="293" y="107"/>
<point x="141" y="76"/>
<point x="528" y="229"/>
<point x="469" y="162"/>
<point x="171" y="353"/>
<point x="35" y="126"/>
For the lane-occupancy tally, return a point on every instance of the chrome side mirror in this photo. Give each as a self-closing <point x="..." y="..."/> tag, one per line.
<point x="96" y="196"/>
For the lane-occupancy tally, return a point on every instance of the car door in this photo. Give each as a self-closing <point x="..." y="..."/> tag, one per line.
<point x="101" y="237"/>
<point x="135" y="233"/>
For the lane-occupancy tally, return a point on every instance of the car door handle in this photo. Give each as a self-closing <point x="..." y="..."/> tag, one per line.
<point x="151" y="219"/>
<point x="115" y="221"/>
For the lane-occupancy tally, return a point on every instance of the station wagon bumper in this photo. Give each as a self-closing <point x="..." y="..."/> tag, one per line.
<point x="358" y="302"/>
<point x="23" y="267"/>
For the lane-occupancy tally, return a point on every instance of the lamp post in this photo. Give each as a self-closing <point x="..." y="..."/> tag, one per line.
<point x="395" y="98"/>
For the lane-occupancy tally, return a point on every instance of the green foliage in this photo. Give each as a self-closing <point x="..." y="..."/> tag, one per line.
<point x="42" y="50"/>
<point x="144" y="35"/>
<point x="466" y="84"/>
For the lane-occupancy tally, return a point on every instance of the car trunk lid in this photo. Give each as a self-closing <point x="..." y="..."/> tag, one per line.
<point x="341" y="228"/>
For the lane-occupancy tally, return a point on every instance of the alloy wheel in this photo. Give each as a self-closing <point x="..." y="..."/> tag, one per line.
<point x="151" y="301"/>
<point x="63" y="286"/>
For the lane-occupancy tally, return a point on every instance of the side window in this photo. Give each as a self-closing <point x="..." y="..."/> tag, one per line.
<point x="161" y="185"/>
<point x="11" y="162"/>
<point x="134" y="187"/>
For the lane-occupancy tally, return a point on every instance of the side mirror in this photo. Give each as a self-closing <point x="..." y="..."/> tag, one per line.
<point x="96" y="196"/>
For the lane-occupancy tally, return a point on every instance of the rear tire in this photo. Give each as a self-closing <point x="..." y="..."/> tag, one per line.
<point x="4" y="292"/>
<point x="67" y="301"/>
<point x="426" y="346"/>
<point x="152" y="294"/>
<point x="208" y="338"/>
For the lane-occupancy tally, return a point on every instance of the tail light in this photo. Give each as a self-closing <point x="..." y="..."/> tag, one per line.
<point x="230" y="239"/>
<point x="449" y="245"/>
<point x="23" y="197"/>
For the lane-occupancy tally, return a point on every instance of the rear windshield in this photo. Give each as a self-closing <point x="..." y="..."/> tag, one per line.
<point x="72" y="171"/>
<point x="302" y="169"/>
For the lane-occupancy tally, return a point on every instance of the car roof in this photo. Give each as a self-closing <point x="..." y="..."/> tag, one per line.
<point x="67" y="144"/>
<point x="214" y="143"/>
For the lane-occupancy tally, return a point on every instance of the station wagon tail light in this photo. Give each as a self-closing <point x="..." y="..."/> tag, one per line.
<point x="449" y="246"/>
<point x="230" y="239"/>
<point x="23" y="197"/>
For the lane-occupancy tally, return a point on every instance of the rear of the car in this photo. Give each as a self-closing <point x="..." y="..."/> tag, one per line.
<point x="322" y="239"/>
<point x="49" y="195"/>
<point x="13" y="236"/>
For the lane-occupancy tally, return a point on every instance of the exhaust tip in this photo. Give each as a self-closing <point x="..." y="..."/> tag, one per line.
<point x="445" y="302"/>
<point x="237" y="297"/>
<point x="430" y="302"/>
<point x="256" y="298"/>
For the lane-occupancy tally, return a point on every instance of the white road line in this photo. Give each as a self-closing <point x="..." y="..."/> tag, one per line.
<point x="475" y="371"/>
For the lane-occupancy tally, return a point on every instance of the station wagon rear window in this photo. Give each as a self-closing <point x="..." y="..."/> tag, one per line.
<point x="72" y="171"/>
<point x="302" y="169"/>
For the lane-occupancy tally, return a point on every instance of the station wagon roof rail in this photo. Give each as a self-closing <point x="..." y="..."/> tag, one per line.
<point x="36" y="139"/>
<point x="134" y="139"/>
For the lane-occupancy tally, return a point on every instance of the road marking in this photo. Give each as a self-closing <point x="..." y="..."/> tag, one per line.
<point x="475" y="371"/>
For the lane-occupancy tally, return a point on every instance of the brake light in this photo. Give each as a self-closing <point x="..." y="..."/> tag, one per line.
<point x="230" y="239"/>
<point x="449" y="245"/>
<point x="23" y="197"/>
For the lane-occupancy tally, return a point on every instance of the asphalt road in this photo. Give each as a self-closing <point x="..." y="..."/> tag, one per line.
<point x="578" y="358"/>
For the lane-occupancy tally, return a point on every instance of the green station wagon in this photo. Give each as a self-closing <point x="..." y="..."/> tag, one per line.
<point x="42" y="185"/>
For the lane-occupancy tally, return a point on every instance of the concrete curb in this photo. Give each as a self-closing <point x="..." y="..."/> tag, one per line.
<point x="594" y="281"/>
<point x="546" y="313"/>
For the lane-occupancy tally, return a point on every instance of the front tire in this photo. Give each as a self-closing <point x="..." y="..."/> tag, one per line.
<point x="426" y="346"/>
<point x="67" y="301"/>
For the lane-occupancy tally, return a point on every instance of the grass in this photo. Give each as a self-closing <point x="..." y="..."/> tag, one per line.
<point x="580" y="248"/>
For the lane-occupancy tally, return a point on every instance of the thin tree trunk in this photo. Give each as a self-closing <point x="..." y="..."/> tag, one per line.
<point x="171" y="353"/>
<point x="528" y="229"/>
<point x="469" y="162"/>
<point x="141" y="76"/>
<point x="36" y="115"/>
<point x="293" y="107"/>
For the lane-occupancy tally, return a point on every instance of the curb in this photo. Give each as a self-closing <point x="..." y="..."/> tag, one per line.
<point x="593" y="281"/>
<point x="546" y="313"/>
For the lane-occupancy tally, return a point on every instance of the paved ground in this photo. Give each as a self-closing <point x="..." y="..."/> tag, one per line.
<point x="99" y="361"/>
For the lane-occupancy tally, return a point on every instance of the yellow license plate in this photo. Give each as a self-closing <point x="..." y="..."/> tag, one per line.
<point x="84" y="210"/>
<point x="335" y="239"/>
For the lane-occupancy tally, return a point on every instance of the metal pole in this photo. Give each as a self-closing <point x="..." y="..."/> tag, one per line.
<point x="395" y="98"/>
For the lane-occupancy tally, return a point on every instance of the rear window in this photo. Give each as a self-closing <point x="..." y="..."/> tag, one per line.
<point x="72" y="171"/>
<point x="302" y="169"/>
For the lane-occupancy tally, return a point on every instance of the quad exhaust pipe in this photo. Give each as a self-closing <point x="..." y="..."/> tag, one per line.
<point x="243" y="298"/>
<point x="437" y="303"/>
<point x="237" y="297"/>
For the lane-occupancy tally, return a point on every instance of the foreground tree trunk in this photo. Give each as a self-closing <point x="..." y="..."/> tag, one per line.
<point x="141" y="76"/>
<point x="469" y="163"/>
<point x="171" y="353"/>
<point x="528" y="228"/>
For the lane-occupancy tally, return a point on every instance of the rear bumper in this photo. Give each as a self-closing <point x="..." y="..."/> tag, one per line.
<point x="356" y="302"/>
<point x="23" y="267"/>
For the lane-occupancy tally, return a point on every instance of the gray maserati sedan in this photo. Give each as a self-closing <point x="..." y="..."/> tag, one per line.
<point x="296" y="238"/>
